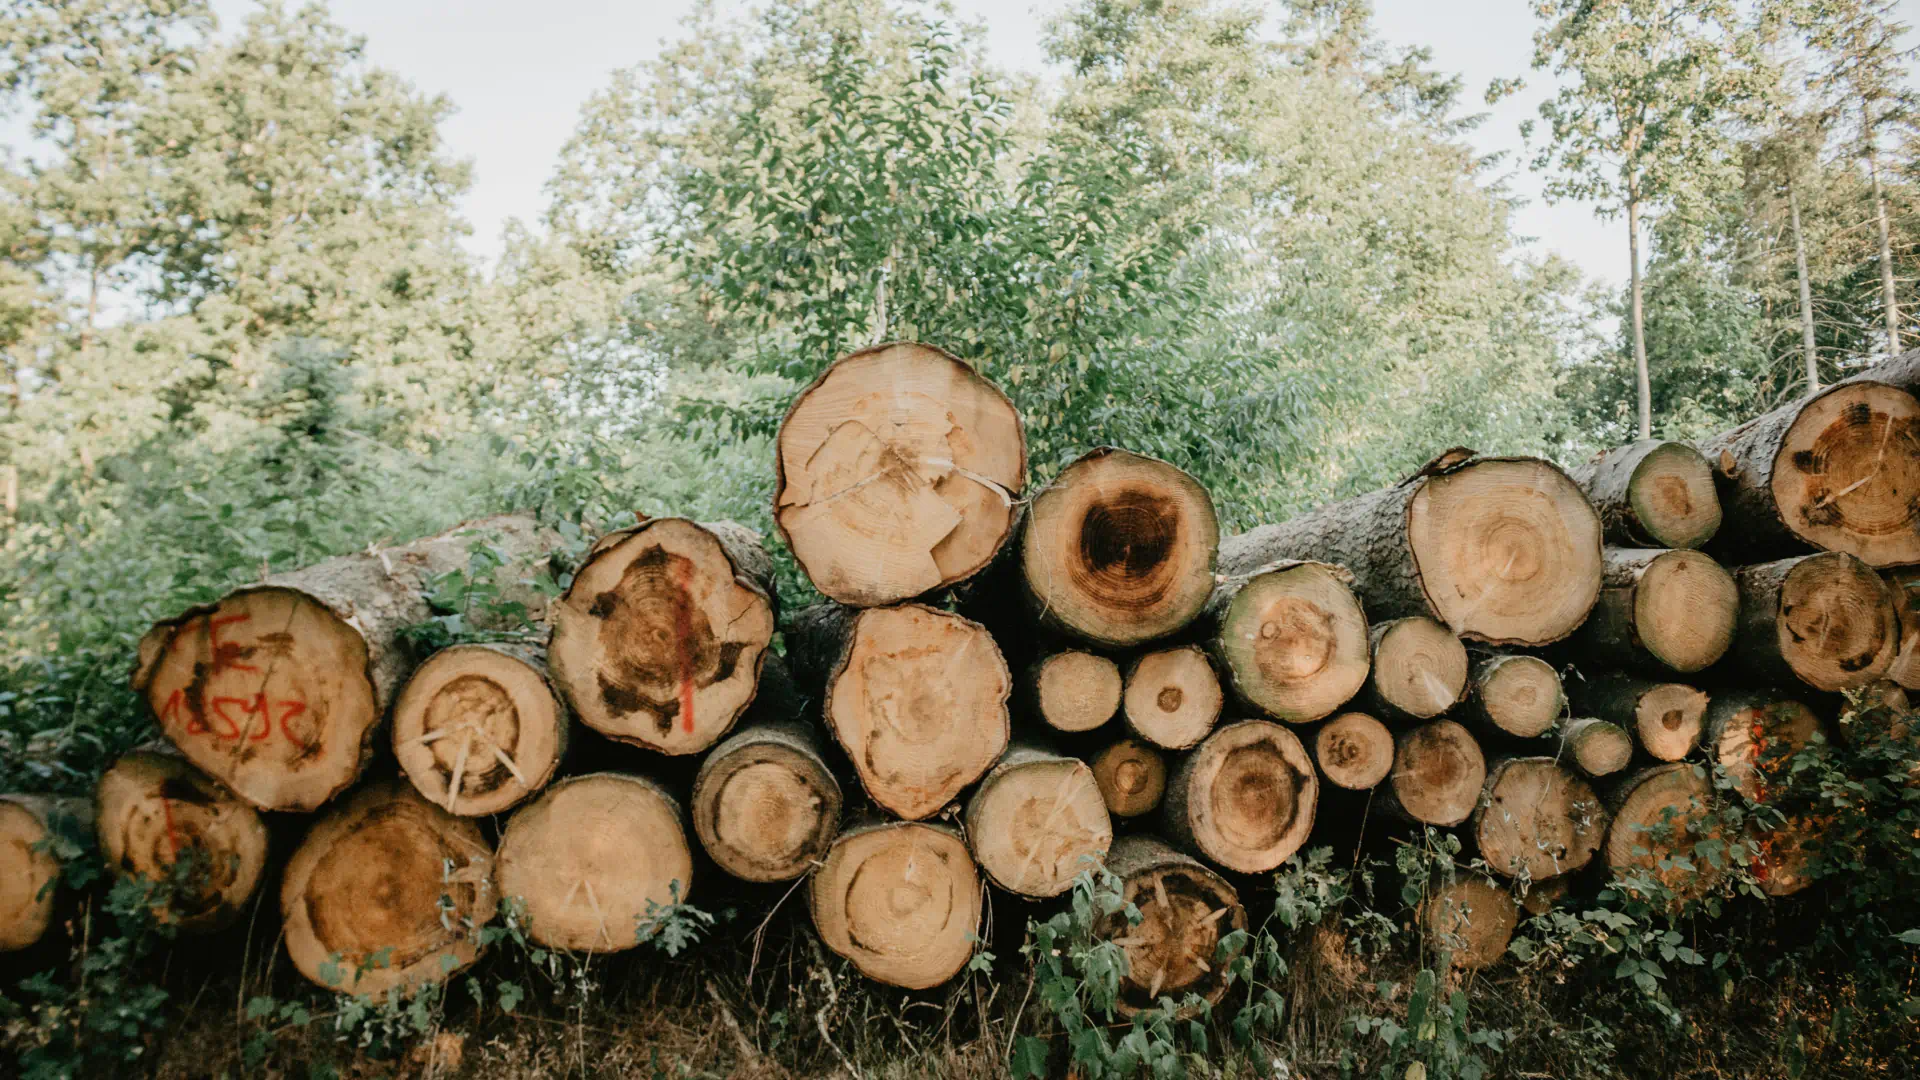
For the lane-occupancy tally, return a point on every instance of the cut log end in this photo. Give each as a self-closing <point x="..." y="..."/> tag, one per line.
<point x="901" y="900"/>
<point x="590" y="857"/>
<point x="1670" y="492"/>
<point x="1538" y="820"/>
<point x="1597" y="747"/>
<point x="1753" y="736"/>
<point x="478" y="729"/>
<point x="659" y="640"/>
<point x="1185" y="910"/>
<point x="1438" y="770"/>
<point x="1472" y="920"/>
<point x="1354" y="750"/>
<point x="897" y="474"/>
<point x="764" y="804"/>
<point x="1668" y="719"/>
<point x="1132" y="777"/>
<point x="1659" y="815"/>
<point x="1294" y="640"/>
<point x="1519" y="696"/>
<point x="1846" y="470"/>
<point x="1037" y="821"/>
<point x="1419" y="667"/>
<point x="1836" y="625"/>
<point x="1172" y="698"/>
<point x="1686" y="607"/>
<point x="1120" y="548"/>
<point x="1904" y="585"/>
<point x="1076" y="691"/>
<point x="28" y="871"/>
<point x="1245" y="798"/>
<point x="153" y="810"/>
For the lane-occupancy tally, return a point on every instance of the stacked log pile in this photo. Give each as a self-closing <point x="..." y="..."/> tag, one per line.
<point x="998" y="693"/>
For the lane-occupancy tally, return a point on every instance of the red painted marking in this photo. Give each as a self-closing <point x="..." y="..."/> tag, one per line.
<point x="293" y="709"/>
<point x="213" y="639"/>
<point x="683" y="632"/>
<point x="220" y="709"/>
<point x="173" y="834"/>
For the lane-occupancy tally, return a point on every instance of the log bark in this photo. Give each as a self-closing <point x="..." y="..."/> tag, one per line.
<point x="1500" y="550"/>
<point x="660" y="638"/>
<point x="1438" y="770"/>
<point x="1753" y="735"/>
<point x="1245" y="798"/>
<point x="153" y="809"/>
<point x="1660" y="611"/>
<point x="1073" y="690"/>
<point x="1665" y="717"/>
<point x="901" y="900"/>
<point x="1119" y="550"/>
<point x="1596" y="747"/>
<point x="1419" y="670"/>
<point x="1471" y="920"/>
<point x="1172" y="697"/>
<point x="277" y="689"/>
<point x="1904" y="587"/>
<point x="897" y="472"/>
<point x="1185" y="910"/>
<point x="1290" y="638"/>
<point x="1537" y="820"/>
<point x="387" y="891"/>
<point x="29" y="869"/>
<point x="765" y="805"/>
<point x="916" y="696"/>
<point x="590" y="856"/>
<point x="1132" y="776"/>
<point x="1354" y="751"/>
<point x="1824" y="620"/>
<point x="1513" y="696"/>
<point x="1659" y="814"/>
<point x="1835" y="470"/>
<point x="1036" y="821"/>
<point x="478" y="728"/>
<point x="1652" y="494"/>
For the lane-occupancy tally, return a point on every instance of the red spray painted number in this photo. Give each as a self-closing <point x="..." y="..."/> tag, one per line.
<point x="252" y="719"/>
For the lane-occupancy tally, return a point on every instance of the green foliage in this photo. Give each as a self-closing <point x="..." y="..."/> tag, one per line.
<point x="674" y="926"/>
<point x="1436" y="1041"/>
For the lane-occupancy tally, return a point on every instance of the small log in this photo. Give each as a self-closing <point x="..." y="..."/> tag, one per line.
<point x="478" y="728"/>
<point x="896" y="474"/>
<point x="1036" y="821"/>
<point x="901" y="900"/>
<point x="1834" y="471"/>
<point x="1537" y="820"/>
<point x="152" y="809"/>
<point x="1543" y="896"/>
<point x="1172" y="697"/>
<point x="660" y="639"/>
<point x="1290" y="638"/>
<point x="1783" y="855"/>
<point x="1438" y="770"/>
<point x="1119" y="549"/>
<point x="1904" y="587"/>
<point x="387" y="891"/>
<point x="591" y="856"/>
<point x="1504" y="551"/>
<point x="1652" y="494"/>
<point x="1753" y="734"/>
<point x="1245" y="798"/>
<point x="1419" y="669"/>
<point x="1073" y="690"/>
<point x="1659" y="814"/>
<point x="1660" y="611"/>
<point x="1471" y="920"/>
<point x="1513" y="696"/>
<point x="277" y="689"/>
<point x="916" y="696"/>
<point x="765" y="805"/>
<point x="1596" y="747"/>
<point x="1665" y="717"/>
<point x="1354" y="751"/>
<point x="1825" y="620"/>
<point x="1185" y="910"/>
<point x="29" y="869"/>
<point x="1132" y="776"/>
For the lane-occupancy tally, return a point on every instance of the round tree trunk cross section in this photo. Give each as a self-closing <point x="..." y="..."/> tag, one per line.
<point x="1597" y="747"/>
<point x="1438" y="770"/>
<point x="1472" y="919"/>
<point x="28" y="871"/>
<point x="1518" y="696"/>
<point x="1419" y="668"/>
<point x="764" y="805"/>
<point x="1185" y="909"/>
<point x="1684" y="610"/>
<point x="1354" y="750"/>
<point x="1538" y="820"/>
<point x="1653" y="494"/>
<point x="897" y="474"/>
<point x="1036" y="821"/>
<point x="1294" y="641"/>
<point x="1120" y="548"/>
<point x="153" y="809"/>
<point x="1905" y="587"/>
<point x="1659" y="814"/>
<point x="1245" y="798"/>
<point x="386" y="891"/>
<point x="1172" y="698"/>
<point x="478" y="729"/>
<point x="1837" y="627"/>
<point x="1076" y="691"/>
<point x="1754" y="736"/>
<point x="1132" y="777"/>
<point x="1847" y="474"/>
<point x="901" y="900"/>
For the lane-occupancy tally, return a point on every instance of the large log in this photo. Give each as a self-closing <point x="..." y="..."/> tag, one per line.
<point x="1665" y="717"/>
<point x="1536" y="820"/>
<point x="765" y="805"/>
<point x="1245" y="798"/>
<point x="1660" y="814"/>
<point x="1291" y="639"/>
<point x="1419" y="669"/>
<point x="1354" y="751"/>
<point x="386" y="891"/>
<point x="1596" y="747"/>
<point x="897" y="471"/>
<point x="1037" y="821"/>
<point x="916" y="696"/>
<point x="1660" y="610"/>
<point x="1438" y="770"/>
<point x="478" y="729"/>
<point x="1073" y="690"/>
<point x="1513" y="696"/>
<point x="29" y="865"/>
<point x="1185" y="910"/>
<point x="1119" y="549"/>
<point x="1652" y="494"/>
<point x="1753" y="734"/>
<point x="1825" y="620"/>
<point x="591" y="856"/>
<point x="1500" y="550"/>
<point x="901" y="900"/>
<point x="278" y="688"/>
<point x="660" y="638"/>
<point x="153" y="809"/>
<point x="1132" y="776"/>
<point x="1836" y="470"/>
<point x="1470" y="920"/>
<point x="1172" y="697"/>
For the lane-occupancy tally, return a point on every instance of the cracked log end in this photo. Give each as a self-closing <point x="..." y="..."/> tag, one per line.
<point x="484" y="716"/>
<point x="1538" y="820"/>
<point x="1246" y="797"/>
<point x="1132" y="776"/>
<point x="764" y="804"/>
<point x="1834" y="621"/>
<point x="386" y="891"/>
<point x="1172" y="697"/>
<point x="1036" y="821"/>
<point x="1076" y="691"/>
<point x="1295" y="641"/>
<point x="589" y="855"/>
<point x="1659" y="814"/>
<point x="1847" y="474"/>
<point x="901" y="900"/>
<point x="152" y="809"/>
<point x="1518" y="695"/>
<point x="1419" y="667"/>
<point x="1438" y="770"/>
<point x="897" y="474"/>
<point x="1354" y="750"/>
<point x="1472" y="919"/>
<point x="1185" y="909"/>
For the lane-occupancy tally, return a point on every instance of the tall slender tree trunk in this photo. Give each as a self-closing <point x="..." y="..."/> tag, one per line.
<point x="1641" y="380"/>
<point x="1807" y="347"/>
<point x="1889" y="299"/>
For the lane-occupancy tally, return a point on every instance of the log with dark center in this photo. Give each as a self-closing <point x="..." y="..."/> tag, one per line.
<point x="1652" y="493"/>
<point x="1073" y="690"/>
<point x="1438" y="769"/>
<point x="1500" y="550"/>
<point x="1290" y="638"/>
<point x="29" y="867"/>
<point x="1036" y="821"/>
<point x="1660" y="611"/>
<point x="1245" y="798"/>
<point x="1471" y="920"/>
<point x="1664" y="717"/>
<point x="659" y="640"/>
<point x="159" y="819"/>
<point x="1754" y="735"/>
<point x="1354" y="751"/>
<point x="1172" y="697"/>
<point x="1596" y="747"/>
<point x="901" y="900"/>
<point x="1419" y="670"/>
<point x="1132" y="776"/>
<point x="897" y="473"/>
<point x="1824" y="620"/>
<point x="765" y="805"/>
<point x="478" y="729"/>
<point x="1537" y="820"/>
<point x="1119" y="549"/>
<point x="1185" y="910"/>
<point x="1660" y="814"/>
<point x="1513" y="696"/>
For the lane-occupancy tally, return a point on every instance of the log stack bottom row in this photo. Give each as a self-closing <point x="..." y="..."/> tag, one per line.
<point x="1004" y="689"/>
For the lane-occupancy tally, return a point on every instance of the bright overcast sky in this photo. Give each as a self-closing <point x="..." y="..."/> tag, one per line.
<point x="520" y="74"/>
